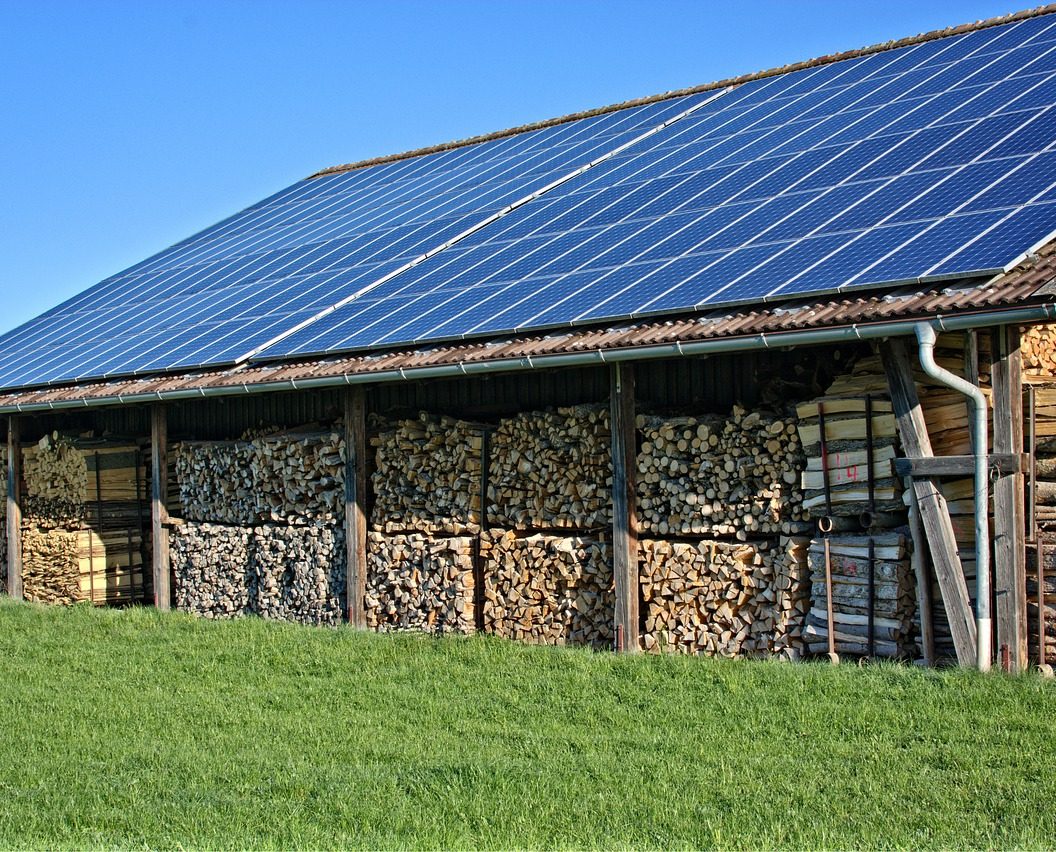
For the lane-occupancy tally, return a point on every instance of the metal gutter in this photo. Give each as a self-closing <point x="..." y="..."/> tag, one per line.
<point x="926" y="347"/>
<point x="812" y="337"/>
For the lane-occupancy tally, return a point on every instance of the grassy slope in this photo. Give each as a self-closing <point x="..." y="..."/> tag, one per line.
<point x="133" y="729"/>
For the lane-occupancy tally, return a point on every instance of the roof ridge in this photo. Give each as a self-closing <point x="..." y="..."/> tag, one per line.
<point x="907" y="41"/>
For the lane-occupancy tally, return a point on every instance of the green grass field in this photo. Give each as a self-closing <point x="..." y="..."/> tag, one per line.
<point x="133" y="729"/>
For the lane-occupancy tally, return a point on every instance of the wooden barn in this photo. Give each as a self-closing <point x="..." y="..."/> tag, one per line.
<point x="757" y="368"/>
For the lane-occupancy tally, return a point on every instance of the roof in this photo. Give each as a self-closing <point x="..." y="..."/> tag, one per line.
<point x="890" y="171"/>
<point x="1031" y="285"/>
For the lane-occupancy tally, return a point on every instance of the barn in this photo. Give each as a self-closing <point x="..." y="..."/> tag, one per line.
<point x="756" y="368"/>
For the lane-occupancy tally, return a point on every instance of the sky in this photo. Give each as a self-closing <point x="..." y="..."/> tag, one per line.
<point x="129" y="125"/>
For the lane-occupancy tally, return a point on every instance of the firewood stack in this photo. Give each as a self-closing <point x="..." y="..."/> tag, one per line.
<point x="216" y="482"/>
<point x="551" y="470"/>
<point x="299" y="476"/>
<point x="288" y="573"/>
<point x="51" y="566"/>
<point x="56" y="480"/>
<point x="720" y="476"/>
<point x="211" y="566"/>
<point x="847" y="454"/>
<point x="724" y="599"/>
<point x="894" y="596"/>
<point x="547" y="589"/>
<point x="1038" y="349"/>
<point x="415" y="582"/>
<point x="427" y="476"/>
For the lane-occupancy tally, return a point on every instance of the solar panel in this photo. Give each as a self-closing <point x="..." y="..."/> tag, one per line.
<point x="928" y="161"/>
<point x="933" y="160"/>
<point x="236" y="285"/>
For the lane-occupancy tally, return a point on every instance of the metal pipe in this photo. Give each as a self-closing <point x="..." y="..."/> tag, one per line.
<point x="926" y="344"/>
<point x="813" y="337"/>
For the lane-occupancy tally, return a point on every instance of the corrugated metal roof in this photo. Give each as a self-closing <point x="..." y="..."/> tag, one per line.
<point x="1031" y="283"/>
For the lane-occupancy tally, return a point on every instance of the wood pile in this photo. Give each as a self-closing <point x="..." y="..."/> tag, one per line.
<point x="893" y="598"/>
<point x="288" y="573"/>
<point x="56" y="482"/>
<point x="724" y="599"/>
<point x="844" y="461"/>
<point x="216" y="482"/>
<point x="720" y="476"/>
<point x="299" y="476"/>
<point x="548" y="589"/>
<point x="551" y="470"/>
<point x="1038" y="349"/>
<point x="51" y="566"/>
<point x="427" y="476"/>
<point x="211" y="566"/>
<point x="415" y="582"/>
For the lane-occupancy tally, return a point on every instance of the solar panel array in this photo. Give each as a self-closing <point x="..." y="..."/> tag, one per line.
<point x="930" y="161"/>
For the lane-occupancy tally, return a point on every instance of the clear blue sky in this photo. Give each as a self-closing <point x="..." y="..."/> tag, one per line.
<point x="130" y="124"/>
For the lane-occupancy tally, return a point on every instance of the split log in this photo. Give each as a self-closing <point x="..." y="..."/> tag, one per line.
<point x="1038" y="349"/>
<point x="724" y="599"/>
<point x="546" y="589"/>
<point x="420" y="583"/>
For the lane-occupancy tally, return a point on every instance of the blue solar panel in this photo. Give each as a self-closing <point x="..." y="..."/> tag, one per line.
<point x="931" y="160"/>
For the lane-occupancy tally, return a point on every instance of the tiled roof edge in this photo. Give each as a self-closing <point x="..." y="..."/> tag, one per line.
<point x="692" y="90"/>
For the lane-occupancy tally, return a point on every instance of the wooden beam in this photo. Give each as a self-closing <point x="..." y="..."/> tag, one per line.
<point x="159" y="514"/>
<point x="1010" y="553"/>
<point x="14" y="508"/>
<point x="355" y="506"/>
<point x="931" y="505"/>
<point x="624" y="506"/>
<point x="1003" y="463"/>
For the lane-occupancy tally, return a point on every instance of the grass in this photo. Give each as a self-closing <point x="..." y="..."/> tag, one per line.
<point x="137" y="729"/>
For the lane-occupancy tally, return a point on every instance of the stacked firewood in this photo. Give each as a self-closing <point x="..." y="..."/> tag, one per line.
<point x="551" y="470"/>
<point x="724" y="599"/>
<point x="56" y="480"/>
<point x="720" y="476"/>
<point x="299" y="476"/>
<point x="1038" y="348"/>
<point x="893" y="596"/>
<point x="211" y="566"/>
<point x="289" y="573"/>
<point x="299" y="572"/>
<point x="419" y="583"/>
<point x="546" y="589"/>
<point x="51" y="566"/>
<point x="216" y="482"/>
<point x="427" y="476"/>
<point x="843" y="462"/>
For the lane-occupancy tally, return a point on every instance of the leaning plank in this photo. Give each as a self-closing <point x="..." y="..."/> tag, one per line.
<point x="934" y="514"/>
<point x="624" y="514"/>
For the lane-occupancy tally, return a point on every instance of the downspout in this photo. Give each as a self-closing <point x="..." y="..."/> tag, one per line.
<point x="926" y="340"/>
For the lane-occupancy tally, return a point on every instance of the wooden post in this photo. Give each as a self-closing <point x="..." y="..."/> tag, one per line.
<point x="1010" y="554"/>
<point x="355" y="506"/>
<point x="971" y="374"/>
<point x="624" y="507"/>
<point x="14" y="508"/>
<point x="159" y="514"/>
<point x="931" y="505"/>
<point x="923" y="577"/>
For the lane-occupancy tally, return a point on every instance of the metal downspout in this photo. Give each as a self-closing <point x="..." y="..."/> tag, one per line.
<point x="926" y="339"/>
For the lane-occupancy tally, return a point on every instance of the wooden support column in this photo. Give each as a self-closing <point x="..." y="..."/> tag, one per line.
<point x="355" y="505"/>
<point x="624" y="507"/>
<point x="1010" y="556"/>
<point x="931" y="505"/>
<point x="14" y="508"/>
<point x="159" y="513"/>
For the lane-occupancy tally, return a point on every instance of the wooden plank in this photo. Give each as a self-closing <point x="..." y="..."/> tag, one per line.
<point x="1004" y="463"/>
<point x="624" y="510"/>
<point x="931" y="505"/>
<point x="355" y="411"/>
<point x="14" y="508"/>
<point x="159" y="515"/>
<point x="923" y="578"/>
<point x="1010" y="554"/>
